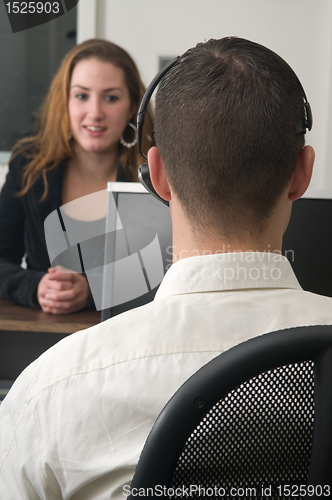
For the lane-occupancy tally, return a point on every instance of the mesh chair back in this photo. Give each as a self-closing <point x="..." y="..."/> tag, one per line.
<point x="259" y="436"/>
<point x="255" y="420"/>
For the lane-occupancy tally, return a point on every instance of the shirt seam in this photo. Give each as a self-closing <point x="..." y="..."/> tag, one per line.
<point x="225" y="290"/>
<point x="17" y="422"/>
<point x="145" y="354"/>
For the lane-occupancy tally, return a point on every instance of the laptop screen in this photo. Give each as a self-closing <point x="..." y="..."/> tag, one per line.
<point x="308" y="242"/>
<point x="138" y="248"/>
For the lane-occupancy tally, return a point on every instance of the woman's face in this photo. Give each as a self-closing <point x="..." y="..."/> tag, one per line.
<point x="99" y="105"/>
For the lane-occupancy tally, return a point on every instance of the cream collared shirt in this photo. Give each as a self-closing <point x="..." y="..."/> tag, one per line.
<point x="75" y="421"/>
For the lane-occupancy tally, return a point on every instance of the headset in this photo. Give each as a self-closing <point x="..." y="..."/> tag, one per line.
<point x="143" y="172"/>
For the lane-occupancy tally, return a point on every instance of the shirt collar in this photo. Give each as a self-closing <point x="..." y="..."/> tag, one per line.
<point x="228" y="271"/>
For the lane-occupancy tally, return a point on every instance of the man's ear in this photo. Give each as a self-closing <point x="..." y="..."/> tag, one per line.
<point x="302" y="174"/>
<point x="158" y="175"/>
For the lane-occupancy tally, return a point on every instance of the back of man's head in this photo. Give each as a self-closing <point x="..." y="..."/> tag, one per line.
<point x="225" y="123"/>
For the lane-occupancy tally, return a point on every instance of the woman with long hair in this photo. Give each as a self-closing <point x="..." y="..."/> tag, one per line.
<point x="86" y="136"/>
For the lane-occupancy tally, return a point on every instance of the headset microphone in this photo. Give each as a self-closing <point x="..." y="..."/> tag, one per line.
<point x="143" y="171"/>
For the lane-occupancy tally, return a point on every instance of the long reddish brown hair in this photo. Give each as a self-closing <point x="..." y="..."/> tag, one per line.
<point x="52" y="144"/>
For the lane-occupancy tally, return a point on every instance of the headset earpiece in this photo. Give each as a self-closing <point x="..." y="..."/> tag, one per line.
<point x="306" y="122"/>
<point x="309" y="119"/>
<point x="144" y="177"/>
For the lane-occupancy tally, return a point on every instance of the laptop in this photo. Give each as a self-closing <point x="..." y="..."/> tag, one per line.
<point x="137" y="248"/>
<point x="120" y="238"/>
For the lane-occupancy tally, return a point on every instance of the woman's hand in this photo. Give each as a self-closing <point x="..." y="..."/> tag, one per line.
<point x="61" y="291"/>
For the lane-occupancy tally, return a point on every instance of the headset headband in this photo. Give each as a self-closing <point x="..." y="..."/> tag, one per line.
<point x="146" y="99"/>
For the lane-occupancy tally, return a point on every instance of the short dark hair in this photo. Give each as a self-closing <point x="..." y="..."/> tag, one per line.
<point x="225" y="125"/>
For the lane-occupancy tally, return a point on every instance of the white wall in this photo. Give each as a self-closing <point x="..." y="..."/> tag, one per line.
<point x="298" y="30"/>
<point x="3" y="173"/>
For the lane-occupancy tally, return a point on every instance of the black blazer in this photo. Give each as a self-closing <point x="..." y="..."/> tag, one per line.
<point x="22" y="232"/>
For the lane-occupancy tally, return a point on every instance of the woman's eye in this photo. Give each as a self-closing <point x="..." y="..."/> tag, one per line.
<point x="81" y="97"/>
<point x="112" y="98"/>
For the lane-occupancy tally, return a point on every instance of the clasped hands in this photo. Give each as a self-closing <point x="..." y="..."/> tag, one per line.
<point x="62" y="291"/>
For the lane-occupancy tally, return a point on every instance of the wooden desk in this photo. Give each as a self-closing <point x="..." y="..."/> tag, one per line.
<point x="26" y="333"/>
<point x="18" y="318"/>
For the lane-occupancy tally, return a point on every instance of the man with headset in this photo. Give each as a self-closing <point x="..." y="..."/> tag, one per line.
<point x="230" y="159"/>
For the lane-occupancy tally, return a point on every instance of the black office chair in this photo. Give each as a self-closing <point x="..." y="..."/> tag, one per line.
<point x="255" y="422"/>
